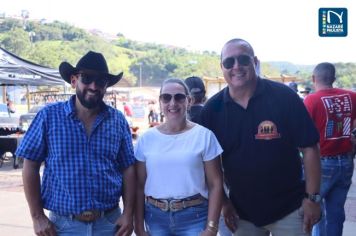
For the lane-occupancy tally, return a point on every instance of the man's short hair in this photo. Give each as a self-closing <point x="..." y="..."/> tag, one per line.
<point x="238" y="41"/>
<point x="325" y="73"/>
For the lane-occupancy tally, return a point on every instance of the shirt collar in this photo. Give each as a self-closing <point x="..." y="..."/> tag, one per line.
<point x="69" y="108"/>
<point x="260" y="88"/>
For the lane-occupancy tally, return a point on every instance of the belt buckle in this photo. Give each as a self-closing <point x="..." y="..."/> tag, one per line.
<point x="88" y="216"/>
<point x="166" y="204"/>
<point x="173" y="209"/>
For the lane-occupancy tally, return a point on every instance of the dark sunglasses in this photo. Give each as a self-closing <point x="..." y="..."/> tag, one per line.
<point x="242" y="60"/>
<point x="90" y="78"/>
<point x="178" y="97"/>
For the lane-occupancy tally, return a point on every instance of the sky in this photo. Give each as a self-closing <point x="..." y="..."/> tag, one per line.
<point x="278" y="30"/>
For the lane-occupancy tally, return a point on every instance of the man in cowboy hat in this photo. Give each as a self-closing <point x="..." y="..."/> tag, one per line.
<point x="87" y="150"/>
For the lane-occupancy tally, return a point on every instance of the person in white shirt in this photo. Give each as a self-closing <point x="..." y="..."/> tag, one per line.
<point x="179" y="172"/>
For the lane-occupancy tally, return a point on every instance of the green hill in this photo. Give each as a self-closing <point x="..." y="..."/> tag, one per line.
<point x="51" y="43"/>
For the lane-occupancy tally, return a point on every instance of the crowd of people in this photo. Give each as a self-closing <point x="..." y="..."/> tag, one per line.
<point x="254" y="159"/>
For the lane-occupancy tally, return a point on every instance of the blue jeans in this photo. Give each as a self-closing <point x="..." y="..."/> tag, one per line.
<point x="335" y="184"/>
<point x="187" y="222"/>
<point x="67" y="226"/>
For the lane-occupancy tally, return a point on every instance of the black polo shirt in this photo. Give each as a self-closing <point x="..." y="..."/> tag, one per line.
<point x="261" y="160"/>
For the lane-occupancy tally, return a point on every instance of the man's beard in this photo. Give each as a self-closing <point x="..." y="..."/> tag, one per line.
<point x="92" y="102"/>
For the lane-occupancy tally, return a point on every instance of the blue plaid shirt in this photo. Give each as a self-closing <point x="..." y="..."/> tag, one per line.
<point x="81" y="172"/>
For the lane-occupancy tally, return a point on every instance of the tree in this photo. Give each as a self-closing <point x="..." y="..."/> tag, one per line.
<point x="17" y="41"/>
<point x="55" y="42"/>
<point x="345" y="74"/>
<point x="9" y="24"/>
<point x="268" y="70"/>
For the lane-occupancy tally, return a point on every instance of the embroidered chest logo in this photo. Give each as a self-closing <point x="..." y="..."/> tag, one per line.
<point x="267" y="130"/>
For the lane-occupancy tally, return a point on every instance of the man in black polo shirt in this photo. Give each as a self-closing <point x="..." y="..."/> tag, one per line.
<point x="261" y="126"/>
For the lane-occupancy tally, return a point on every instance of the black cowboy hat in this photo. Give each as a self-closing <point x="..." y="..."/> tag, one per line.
<point x="92" y="61"/>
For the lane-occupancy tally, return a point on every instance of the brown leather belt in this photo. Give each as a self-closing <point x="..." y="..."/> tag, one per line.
<point x="92" y="215"/>
<point x="175" y="204"/>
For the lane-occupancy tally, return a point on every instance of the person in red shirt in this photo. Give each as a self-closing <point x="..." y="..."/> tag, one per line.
<point x="127" y="110"/>
<point x="333" y="111"/>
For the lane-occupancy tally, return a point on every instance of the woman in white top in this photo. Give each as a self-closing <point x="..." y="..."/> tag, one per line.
<point x="179" y="173"/>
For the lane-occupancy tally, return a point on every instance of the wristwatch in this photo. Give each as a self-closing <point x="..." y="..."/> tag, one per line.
<point x="313" y="197"/>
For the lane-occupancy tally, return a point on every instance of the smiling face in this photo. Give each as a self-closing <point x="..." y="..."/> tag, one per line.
<point x="174" y="101"/>
<point x="238" y="64"/>
<point x="90" y="95"/>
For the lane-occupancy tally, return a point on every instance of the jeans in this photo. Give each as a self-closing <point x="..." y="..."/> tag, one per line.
<point x="335" y="183"/>
<point x="190" y="221"/>
<point x="290" y="225"/>
<point x="67" y="226"/>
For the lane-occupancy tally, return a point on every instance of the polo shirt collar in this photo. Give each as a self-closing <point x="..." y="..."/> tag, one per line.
<point x="260" y="88"/>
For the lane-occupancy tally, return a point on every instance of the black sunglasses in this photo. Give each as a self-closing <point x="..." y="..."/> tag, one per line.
<point x="87" y="79"/>
<point x="242" y="60"/>
<point x="178" y="97"/>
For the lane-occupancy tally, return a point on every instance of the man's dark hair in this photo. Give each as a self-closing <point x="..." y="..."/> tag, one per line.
<point x="325" y="73"/>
